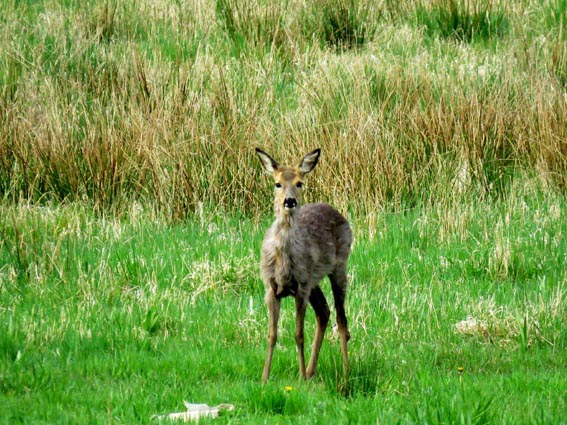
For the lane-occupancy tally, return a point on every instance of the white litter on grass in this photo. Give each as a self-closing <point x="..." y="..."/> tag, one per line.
<point x="195" y="412"/>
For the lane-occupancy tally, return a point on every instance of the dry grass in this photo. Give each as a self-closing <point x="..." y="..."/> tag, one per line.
<point x="163" y="103"/>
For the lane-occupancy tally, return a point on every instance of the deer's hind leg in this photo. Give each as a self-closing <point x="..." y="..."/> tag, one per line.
<point x="322" y="313"/>
<point x="339" y="285"/>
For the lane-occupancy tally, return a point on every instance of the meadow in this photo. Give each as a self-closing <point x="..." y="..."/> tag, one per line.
<point x="132" y="207"/>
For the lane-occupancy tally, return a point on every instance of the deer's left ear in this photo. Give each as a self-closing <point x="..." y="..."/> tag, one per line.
<point x="309" y="161"/>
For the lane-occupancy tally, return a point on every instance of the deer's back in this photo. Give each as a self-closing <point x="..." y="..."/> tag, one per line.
<point x="320" y="226"/>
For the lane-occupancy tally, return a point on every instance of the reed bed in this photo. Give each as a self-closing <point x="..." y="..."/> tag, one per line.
<point x="160" y="104"/>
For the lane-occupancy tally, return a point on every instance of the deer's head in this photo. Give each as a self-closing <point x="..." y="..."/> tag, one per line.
<point x="288" y="180"/>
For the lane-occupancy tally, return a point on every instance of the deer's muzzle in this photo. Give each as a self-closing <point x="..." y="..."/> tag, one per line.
<point x="289" y="203"/>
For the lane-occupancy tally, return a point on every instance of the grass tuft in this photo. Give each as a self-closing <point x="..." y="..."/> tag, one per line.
<point x="343" y="24"/>
<point x="253" y="24"/>
<point x="463" y="20"/>
<point x="103" y="24"/>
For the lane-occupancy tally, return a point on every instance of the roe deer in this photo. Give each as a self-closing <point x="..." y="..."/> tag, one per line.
<point x="303" y="245"/>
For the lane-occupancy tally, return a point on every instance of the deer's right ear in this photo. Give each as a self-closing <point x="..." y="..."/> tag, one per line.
<point x="270" y="164"/>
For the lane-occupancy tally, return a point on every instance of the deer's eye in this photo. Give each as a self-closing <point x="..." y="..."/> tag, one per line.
<point x="299" y="184"/>
<point x="278" y="185"/>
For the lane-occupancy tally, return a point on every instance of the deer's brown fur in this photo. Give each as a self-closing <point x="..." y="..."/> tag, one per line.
<point x="304" y="244"/>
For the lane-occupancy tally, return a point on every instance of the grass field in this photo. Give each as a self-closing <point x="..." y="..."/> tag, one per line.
<point x="132" y="207"/>
<point x="113" y="321"/>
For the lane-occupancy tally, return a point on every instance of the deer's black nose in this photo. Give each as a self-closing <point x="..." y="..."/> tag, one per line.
<point x="289" y="203"/>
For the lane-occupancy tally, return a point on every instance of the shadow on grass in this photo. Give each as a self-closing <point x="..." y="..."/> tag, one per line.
<point x="367" y="376"/>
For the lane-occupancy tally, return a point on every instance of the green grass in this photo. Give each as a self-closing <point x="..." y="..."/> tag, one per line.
<point x="132" y="207"/>
<point x="463" y="20"/>
<point x="108" y="320"/>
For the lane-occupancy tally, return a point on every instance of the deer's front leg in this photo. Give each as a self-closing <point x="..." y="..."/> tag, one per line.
<point x="300" y="308"/>
<point x="273" y="304"/>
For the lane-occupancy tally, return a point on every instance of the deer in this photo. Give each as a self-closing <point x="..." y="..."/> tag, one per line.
<point x="304" y="244"/>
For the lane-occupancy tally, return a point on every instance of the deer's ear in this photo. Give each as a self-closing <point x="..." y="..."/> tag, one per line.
<point x="270" y="164"/>
<point x="309" y="161"/>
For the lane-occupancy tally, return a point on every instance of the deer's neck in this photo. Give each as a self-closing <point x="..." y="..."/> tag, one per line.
<point x="283" y="233"/>
<point x="284" y="229"/>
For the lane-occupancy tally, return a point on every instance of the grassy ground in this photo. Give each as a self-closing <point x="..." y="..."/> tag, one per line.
<point x="132" y="207"/>
<point x="113" y="321"/>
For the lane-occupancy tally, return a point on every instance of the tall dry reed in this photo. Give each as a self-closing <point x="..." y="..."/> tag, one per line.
<point x="161" y="105"/>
